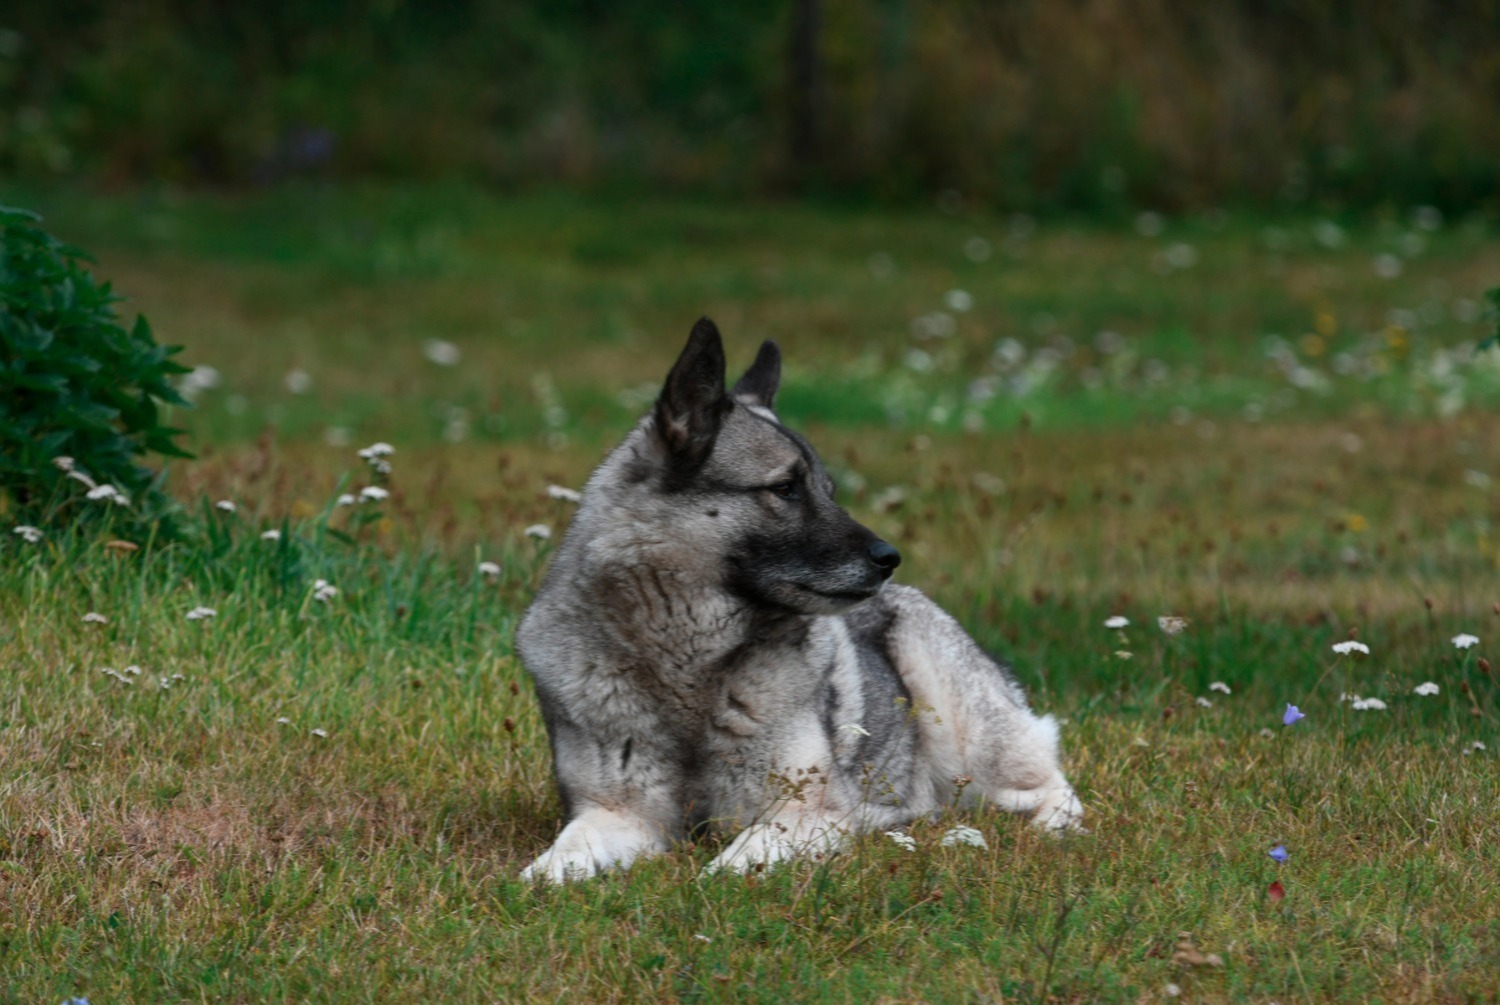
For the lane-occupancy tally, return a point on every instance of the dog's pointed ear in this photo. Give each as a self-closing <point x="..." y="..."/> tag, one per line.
<point x="759" y="384"/>
<point x="692" y="402"/>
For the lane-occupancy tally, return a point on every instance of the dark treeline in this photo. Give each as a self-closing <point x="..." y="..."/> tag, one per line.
<point x="1086" y="105"/>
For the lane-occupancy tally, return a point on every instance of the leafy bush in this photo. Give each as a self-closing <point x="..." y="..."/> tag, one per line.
<point x="79" y="392"/>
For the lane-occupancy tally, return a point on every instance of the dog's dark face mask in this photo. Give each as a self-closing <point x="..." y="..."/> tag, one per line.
<point x="782" y="539"/>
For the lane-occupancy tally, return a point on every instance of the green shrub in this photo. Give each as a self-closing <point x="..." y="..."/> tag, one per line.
<point x="79" y="392"/>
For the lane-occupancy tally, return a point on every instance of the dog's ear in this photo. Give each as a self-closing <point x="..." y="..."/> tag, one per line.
<point x="759" y="384"/>
<point x="692" y="402"/>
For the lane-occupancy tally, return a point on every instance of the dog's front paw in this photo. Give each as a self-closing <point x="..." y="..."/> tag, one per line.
<point x="554" y="867"/>
<point x="764" y="845"/>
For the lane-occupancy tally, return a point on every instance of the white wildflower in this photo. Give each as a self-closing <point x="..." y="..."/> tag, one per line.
<point x="225" y="506"/>
<point x="1123" y="654"/>
<point x="373" y="493"/>
<point x="64" y="464"/>
<point x="441" y="352"/>
<point x="1220" y="687"/>
<point x="324" y="591"/>
<point x="298" y="381"/>
<point x="201" y="614"/>
<point x="94" y="618"/>
<point x="1475" y="747"/>
<point x="963" y="835"/>
<point x="540" y="531"/>
<point x="565" y="494"/>
<point x="1465" y="641"/>
<point x="270" y="535"/>
<point x="1117" y="621"/>
<point x="1425" y="689"/>
<point x="1172" y="624"/>
<point x="490" y="569"/>
<point x="958" y="301"/>
<point x="29" y="534"/>
<point x="377" y="450"/>
<point x="103" y="492"/>
<point x="1345" y="648"/>
<point x="855" y="728"/>
<point x="283" y="721"/>
<point x="1203" y="702"/>
<point x="902" y="839"/>
<point x="320" y="733"/>
<point x="346" y="500"/>
<point x="133" y="670"/>
<point x="1367" y="705"/>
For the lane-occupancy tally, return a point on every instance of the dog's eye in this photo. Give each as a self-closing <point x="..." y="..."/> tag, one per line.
<point x="784" y="490"/>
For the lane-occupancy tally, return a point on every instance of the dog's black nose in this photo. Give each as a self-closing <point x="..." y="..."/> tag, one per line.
<point x="884" y="556"/>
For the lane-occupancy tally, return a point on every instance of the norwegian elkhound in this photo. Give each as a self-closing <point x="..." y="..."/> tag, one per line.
<point x="716" y="642"/>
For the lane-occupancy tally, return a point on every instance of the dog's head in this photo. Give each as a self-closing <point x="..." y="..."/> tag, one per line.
<point x="751" y="492"/>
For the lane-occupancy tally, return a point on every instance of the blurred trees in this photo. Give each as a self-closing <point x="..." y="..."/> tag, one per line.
<point x="1081" y="104"/>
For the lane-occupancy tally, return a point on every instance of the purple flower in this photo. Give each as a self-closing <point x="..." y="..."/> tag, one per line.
<point x="1291" y="715"/>
<point x="1279" y="853"/>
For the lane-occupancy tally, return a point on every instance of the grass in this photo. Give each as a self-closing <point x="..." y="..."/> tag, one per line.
<point x="181" y="843"/>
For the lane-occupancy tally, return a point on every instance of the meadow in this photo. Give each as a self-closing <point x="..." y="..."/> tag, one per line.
<point x="1277" y="430"/>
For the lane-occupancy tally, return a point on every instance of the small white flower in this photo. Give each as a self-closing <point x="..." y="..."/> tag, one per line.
<point x="1203" y="702"/>
<point x="225" y="506"/>
<point x="377" y="450"/>
<point x="1172" y="990"/>
<point x="855" y="728"/>
<point x="79" y="476"/>
<point x="94" y="618"/>
<point x="373" y="493"/>
<point x="1465" y="641"/>
<point x="346" y="500"/>
<point x="201" y="614"/>
<point x="1475" y="747"/>
<point x="298" y="381"/>
<point x="133" y="670"/>
<point x="63" y="463"/>
<point x="29" y="534"/>
<point x="1345" y="648"/>
<point x="270" y="535"/>
<point x="1219" y="686"/>
<point x="490" y="569"/>
<point x="1123" y="654"/>
<point x="1117" y="621"/>
<point x="324" y="591"/>
<point x="963" y="835"/>
<point x="958" y="301"/>
<point x="103" y="492"/>
<point x="540" y="531"/>
<point x="1367" y="705"/>
<point x="702" y="938"/>
<point x="321" y="733"/>
<point x="902" y="839"/>
<point x="1172" y="624"/>
<point x="283" y="721"/>
<point x="441" y="352"/>
<point x="164" y="682"/>
<point x="566" y="494"/>
<point x="1425" y="689"/>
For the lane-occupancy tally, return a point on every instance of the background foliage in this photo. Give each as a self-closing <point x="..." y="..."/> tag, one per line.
<point x="1083" y="104"/>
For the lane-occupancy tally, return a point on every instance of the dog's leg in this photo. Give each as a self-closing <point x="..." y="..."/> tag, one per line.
<point x="623" y="800"/>
<point x="593" y="841"/>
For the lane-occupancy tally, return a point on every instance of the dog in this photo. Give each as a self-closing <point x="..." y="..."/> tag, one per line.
<point x="718" y="642"/>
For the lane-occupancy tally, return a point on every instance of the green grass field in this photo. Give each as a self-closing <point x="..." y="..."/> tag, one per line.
<point x="1277" y="429"/>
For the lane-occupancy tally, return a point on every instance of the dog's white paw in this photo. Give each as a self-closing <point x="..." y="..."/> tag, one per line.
<point x="592" y="843"/>
<point x="764" y="845"/>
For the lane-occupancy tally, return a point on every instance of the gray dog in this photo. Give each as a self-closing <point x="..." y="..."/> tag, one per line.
<point x="716" y="642"/>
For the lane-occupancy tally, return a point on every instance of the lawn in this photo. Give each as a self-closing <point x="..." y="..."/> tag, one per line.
<point x="1277" y="429"/>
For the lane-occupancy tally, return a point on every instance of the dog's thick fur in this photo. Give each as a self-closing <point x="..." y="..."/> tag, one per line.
<point x="716" y="642"/>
